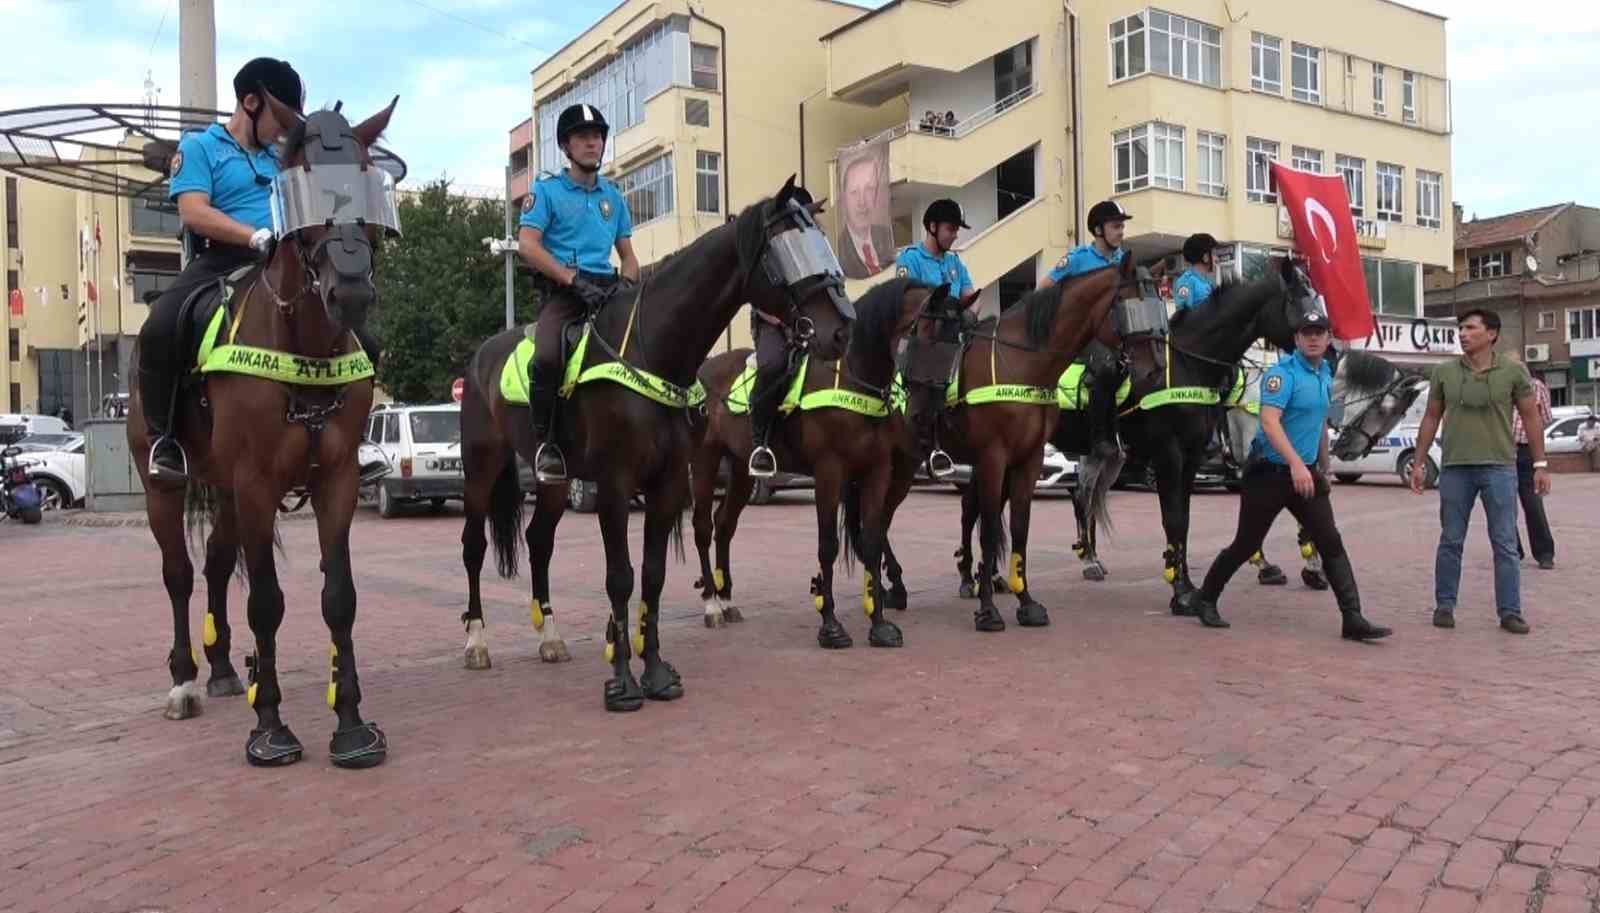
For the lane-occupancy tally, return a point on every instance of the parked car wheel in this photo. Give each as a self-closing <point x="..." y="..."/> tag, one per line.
<point x="1430" y="477"/>
<point x="436" y="503"/>
<point x="388" y="504"/>
<point x="581" y="496"/>
<point x="1348" y="478"/>
<point x="53" y="495"/>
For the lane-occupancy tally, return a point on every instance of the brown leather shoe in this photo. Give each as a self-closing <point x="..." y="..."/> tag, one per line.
<point x="1513" y="624"/>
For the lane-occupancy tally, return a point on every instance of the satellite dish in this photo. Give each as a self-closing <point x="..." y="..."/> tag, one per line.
<point x="1532" y="263"/>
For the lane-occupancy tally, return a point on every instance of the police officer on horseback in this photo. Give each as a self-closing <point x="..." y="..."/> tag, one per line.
<point x="1107" y="224"/>
<point x="1196" y="284"/>
<point x="222" y="182"/>
<point x="570" y="223"/>
<point x="933" y="262"/>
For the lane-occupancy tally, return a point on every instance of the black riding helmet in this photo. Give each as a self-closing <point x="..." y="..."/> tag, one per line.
<point x="580" y="117"/>
<point x="271" y="75"/>
<point x="1197" y="246"/>
<point x="944" y="211"/>
<point x="1106" y="211"/>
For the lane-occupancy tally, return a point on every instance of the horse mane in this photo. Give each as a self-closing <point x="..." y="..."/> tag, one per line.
<point x="878" y="312"/>
<point x="1364" y="373"/>
<point x="749" y="236"/>
<point x="1229" y="300"/>
<point x="1041" y="305"/>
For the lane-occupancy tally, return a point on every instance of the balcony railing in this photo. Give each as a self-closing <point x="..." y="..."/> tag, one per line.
<point x="962" y="127"/>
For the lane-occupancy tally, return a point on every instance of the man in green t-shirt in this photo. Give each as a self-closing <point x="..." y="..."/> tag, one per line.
<point x="1479" y="390"/>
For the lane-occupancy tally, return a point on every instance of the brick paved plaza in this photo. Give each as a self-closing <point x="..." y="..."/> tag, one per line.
<point x="1121" y="759"/>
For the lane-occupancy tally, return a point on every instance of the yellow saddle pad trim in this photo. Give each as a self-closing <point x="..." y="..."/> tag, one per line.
<point x="514" y="377"/>
<point x="270" y="364"/>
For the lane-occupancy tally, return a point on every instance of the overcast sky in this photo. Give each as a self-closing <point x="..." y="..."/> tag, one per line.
<point x="1526" y="76"/>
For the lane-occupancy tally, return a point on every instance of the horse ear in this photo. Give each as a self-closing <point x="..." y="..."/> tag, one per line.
<point x="941" y="293"/>
<point x="787" y="191"/>
<point x="817" y="207"/>
<point x="368" y="131"/>
<point x="281" y="112"/>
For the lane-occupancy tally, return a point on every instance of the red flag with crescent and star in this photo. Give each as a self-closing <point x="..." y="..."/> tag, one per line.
<point x="1325" y="235"/>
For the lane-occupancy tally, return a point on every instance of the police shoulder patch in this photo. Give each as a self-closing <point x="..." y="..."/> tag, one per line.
<point x="901" y="272"/>
<point x="1274" y="383"/>
<point x="1063" y="261"/>
<point x="527" y="202"/>
<point x="1183" y="293"/>
<point x="177" y="163"/>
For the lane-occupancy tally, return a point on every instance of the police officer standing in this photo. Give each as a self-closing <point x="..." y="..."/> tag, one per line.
<point x="1107" y="224"/>
<point x="570" y="223"/>
<point x="222" y="182"/>
<point x="1196" y="284"/>
<point x="933" y="261"/>
<point x="1285" y="470"/>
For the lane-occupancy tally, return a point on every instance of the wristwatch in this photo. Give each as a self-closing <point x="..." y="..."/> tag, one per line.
<point x="1541" y="464"/>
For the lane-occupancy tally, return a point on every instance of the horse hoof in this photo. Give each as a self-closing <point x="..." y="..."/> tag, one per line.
<point x="1182" y="607"/>
<point x="661" y="682"/>
<point x="623" y="695"/>
<point x="272" y="748"/>
<point x="731" y="614"/>
<point x="224" y="686"/>
<point x="1272" y="575"/>
<point x="897" y="599"/>
<point x="183" y="702"/>
<point x="834" y="637"/>
<point x="715" y="619"/>
<point x="477" y="658"/>
<point x="885" y="634"/>
<point x="554" y="651"/>
<point x="968" y="590"/>
<point x="1313" y="579"/>
<point x="1032" y="615"/>
<point x="1094" y="572"/>
<point x="988" y="620"/>
<point x="358" y="747"/>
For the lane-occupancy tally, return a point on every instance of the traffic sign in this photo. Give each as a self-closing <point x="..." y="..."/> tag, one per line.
<point x="458" y="389"/>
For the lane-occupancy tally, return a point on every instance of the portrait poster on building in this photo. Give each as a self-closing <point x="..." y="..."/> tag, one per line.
<point x="866" y="242"/>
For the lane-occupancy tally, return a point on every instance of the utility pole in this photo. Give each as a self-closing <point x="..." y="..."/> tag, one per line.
<point x="197" y="54"/>
<point x="507" y="247"/>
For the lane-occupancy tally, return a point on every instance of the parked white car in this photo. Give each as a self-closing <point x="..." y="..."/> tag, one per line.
<point x="14" y="426"/>
<point x="1561" y="436"/>
<point x="423" y="446"/>
<point x="55" y="462"/>
<point x="1391" y="456"/>
<point x="1058" y="473"/>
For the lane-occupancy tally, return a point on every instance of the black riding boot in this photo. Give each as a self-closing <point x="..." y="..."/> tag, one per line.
<point x="158" y="390"/>
<point x="1341" y="576"/>
<point x="1103" y="412"/>
<point x="763" y="412"/>
<point x="549" y="466"/>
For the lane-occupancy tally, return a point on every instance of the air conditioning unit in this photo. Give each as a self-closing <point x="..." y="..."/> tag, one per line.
<point x="1536" y="353"/>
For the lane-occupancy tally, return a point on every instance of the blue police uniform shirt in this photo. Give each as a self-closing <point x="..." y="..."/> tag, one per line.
<point x="212" y="162"/>
<point x="1303" y="393"/>
<point x="580" y="225"/>
<point x="914" y="262"/>
<point x="1192" y="289"/>
<point x="1082" y="259"/>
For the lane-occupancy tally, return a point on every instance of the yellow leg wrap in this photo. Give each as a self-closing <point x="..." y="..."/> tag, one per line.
<point x="208" y="633"/>
<point x="1017" y="583"/>
<point x="1169" y="574"/>
<point x="536" y="610"/>
<point x="819" y="602"/>
<point x="719" y="578"/>
<point x="611" y="653"/>
<point x="333" y="672"/>
<point x="250" y="694"/>
<point x="611" y="637"/>
<point x="638" y="638"/>
<point x="1307" y="550"/>
<point x="1258" y="559"/>
<point x="867" y="602"/>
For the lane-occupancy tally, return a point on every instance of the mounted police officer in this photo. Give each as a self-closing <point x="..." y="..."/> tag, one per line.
<point x="1197" y="283"/>
<point x="1107" y="224"/>
<point x="1286" y="471"/>
<point x="933" y="262"/>
<point x="570" y="224"/>
<point x="222" y="182"/>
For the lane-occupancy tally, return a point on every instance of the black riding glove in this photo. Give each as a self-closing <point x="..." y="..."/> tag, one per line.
<point x="591" y="293"/>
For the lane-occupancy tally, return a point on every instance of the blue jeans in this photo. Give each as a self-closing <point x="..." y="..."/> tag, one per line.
<point x="1459" y="486"/>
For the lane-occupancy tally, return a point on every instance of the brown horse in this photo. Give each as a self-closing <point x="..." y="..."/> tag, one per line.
<point x="252" y="440"/>
<point x="1007" y="410"/>
<point x="653" y="338"/>
<point x="844" y="431"/>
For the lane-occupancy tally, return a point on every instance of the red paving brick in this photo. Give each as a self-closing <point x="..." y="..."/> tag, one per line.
<point x="1118" y="760"/>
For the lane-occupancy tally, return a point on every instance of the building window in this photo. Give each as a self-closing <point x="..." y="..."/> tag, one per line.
<point x="1354" y="172"/>
<point x="1013" y="75"/>
<point x="707" y="182"/>
<point x="11" y="214"/>
<point x="1392" y="285"/>
<point x="1408" y="96"/>
<point x="703" y="67"/>
<point x="1305" y="72"/>
<point x="1391" y="192"/>
<point x="1266" y="63"/>
<point x="1380" y="97"/>
<point x="1211" y="164"/>
<point x="148" y="284"/>
<point x="619" y="88"/>
<point x="1185" y="49"/>
<point x="1306" y="159"/>
<point x="152" y="217"/>
<point x="1130" y="159"/>
<point x="1429" y="185"/>
<point x="13" y="345"/>
<point x="16" y="397"/>
<point x="1547" y="321"/>
<point x="1489" y="266"/>
<point x="1260" y="186"/>
<point x="697" y="112"/>
<point x="13" y="281"/>
<point x="648" y="190"/>
<point x="1583" y="324"/>
<point x="1127" y="47"/>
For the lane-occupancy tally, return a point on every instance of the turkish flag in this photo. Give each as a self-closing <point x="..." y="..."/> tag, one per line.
<point x="1325" y="235"/>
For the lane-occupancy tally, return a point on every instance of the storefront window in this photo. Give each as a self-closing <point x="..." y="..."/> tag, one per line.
<point x="1399" y="282"/>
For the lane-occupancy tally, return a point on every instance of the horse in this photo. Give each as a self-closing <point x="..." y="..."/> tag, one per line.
<point x="628" y="428"/>
<point x="1003" y="409"/>
<point x="844" y="431"/>
<point x="285" y="410"/>
<point x="1175" y="404"/>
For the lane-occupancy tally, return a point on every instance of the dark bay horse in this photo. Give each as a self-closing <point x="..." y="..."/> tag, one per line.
<point x="653" y="337"/>
<point x="253" y="438"/>
<point x="1005" y="410"/>
<point x="844" y="432"/>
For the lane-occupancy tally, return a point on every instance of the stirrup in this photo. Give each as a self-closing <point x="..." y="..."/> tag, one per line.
<point x="768" y="467"/>
<point x="940" y="464"/>
<point x="549" y="476"/>
<point x="157" y="473"/>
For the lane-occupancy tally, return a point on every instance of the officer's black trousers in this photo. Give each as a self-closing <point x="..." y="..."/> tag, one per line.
<point x="1269" y="490"/>
<point x="559" y="309"/>
<point x="772" y="365"/>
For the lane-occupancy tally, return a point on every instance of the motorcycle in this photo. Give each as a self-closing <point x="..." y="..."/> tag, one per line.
<point x="20" y="498"/>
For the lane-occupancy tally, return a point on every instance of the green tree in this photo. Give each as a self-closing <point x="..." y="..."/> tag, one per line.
<point x="440" y="292"/>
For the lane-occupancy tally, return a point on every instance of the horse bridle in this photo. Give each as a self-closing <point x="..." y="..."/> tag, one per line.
<point x="798" y="329"/>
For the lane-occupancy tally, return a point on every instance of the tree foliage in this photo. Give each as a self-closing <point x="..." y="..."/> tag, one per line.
<point x="441" y="292"/>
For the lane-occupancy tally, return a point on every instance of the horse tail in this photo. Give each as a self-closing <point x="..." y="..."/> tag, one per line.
<point x="505" y="517"/>
<point x="850" y="525"/>
<point x="1095" y="478"/>
<point x="201" y="505"/>
<point x="677" y="538"/>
